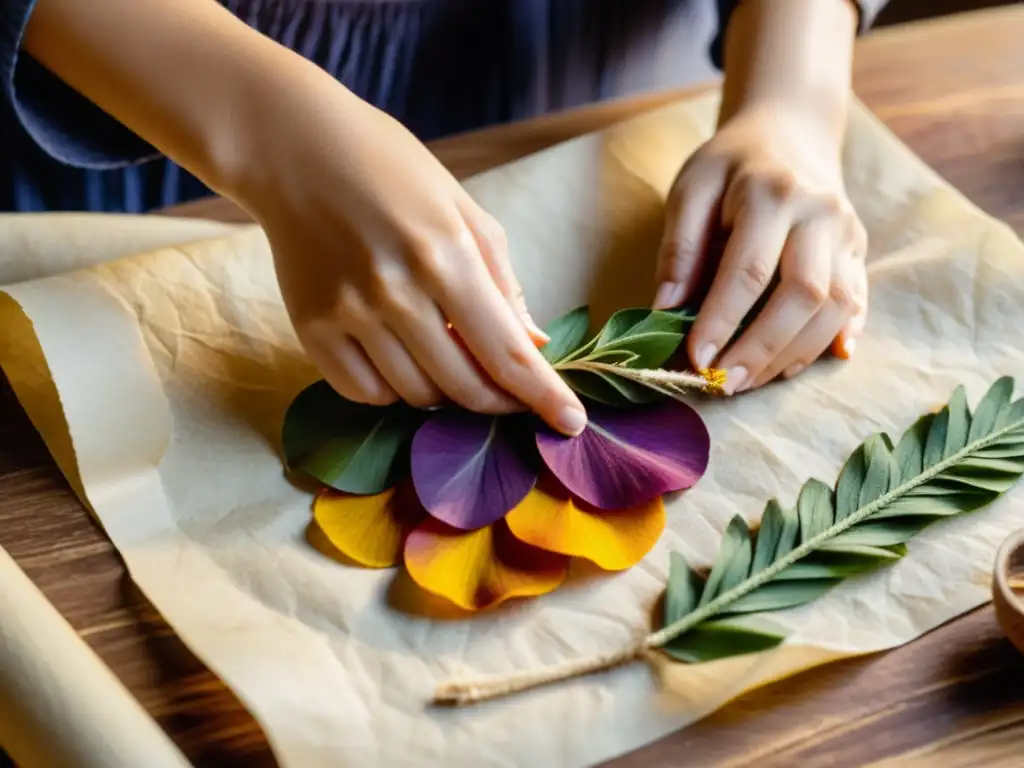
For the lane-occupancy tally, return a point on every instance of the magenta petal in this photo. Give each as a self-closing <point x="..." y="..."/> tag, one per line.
<point x="627" y="457"/>
<point x="467" y="471"/>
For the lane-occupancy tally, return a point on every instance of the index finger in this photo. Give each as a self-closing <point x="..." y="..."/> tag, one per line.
<point x="748" y="264"/>
<point x="496" y="337"/>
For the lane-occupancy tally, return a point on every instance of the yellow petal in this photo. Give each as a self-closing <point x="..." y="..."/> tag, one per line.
<point x="551" y="519"/>
<point x="370" y="530"/>
<point x="482" y="568"/>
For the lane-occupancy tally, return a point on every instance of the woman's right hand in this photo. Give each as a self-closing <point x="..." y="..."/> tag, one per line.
<point x="378" y="249"/>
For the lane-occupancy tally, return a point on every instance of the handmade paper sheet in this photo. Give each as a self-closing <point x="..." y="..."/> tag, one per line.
<point x="174" y="369"/>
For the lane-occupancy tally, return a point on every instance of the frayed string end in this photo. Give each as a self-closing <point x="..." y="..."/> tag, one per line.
<point x="461" y="693"/>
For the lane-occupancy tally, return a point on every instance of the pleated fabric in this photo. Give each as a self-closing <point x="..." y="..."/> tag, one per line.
<point x="439" y="66"/>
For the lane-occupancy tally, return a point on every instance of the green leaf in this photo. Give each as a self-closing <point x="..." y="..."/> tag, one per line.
<point x="567" y="334"/>
<point x="814" y="508"/>
<point x="651" y="335"/>
<point x="851" y="478"/>
<point x="991" y="408"/>
<point x="880" y="469"/>
<point x="777" y="535"/>
<point x="348" y="446"/>
<point x="721" y="639"/>
<point x="935" y="506"/>
<point x="602" y="387"/>
<point x="838" y="563"/>
<point x="635" y="338"/>
<point x="935" y="445"/>
<point x="733" y="563"/>
<point x="943" y="465"/>
<point x="622" y="324"/>
<point x="909" y="453"/>
<point x="684" y="587"/>
<point x="778" y="595"/>
<point x="959" y="425"/>
<point x="884" y="533"/>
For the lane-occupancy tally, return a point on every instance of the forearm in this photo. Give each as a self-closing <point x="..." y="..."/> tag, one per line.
<point x="795" y="52"/>
<point x="185" y="75"/>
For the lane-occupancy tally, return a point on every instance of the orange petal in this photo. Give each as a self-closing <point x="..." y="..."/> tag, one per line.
<point x="482" y="568"/>
<point x="369" y="529"/>
<point x="551" y="519"/>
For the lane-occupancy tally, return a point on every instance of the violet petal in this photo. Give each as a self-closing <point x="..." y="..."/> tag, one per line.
<point x="467" y="470"/>
<point x="628" y="457"/>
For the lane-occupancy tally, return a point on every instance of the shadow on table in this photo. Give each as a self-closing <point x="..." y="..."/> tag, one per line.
<point x="206" y="720"/>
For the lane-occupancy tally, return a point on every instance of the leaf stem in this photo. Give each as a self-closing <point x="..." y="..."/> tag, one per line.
<point x="670" y="383"/>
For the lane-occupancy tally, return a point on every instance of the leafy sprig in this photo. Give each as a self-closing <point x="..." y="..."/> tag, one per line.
<point x="948" y="463"/>
<point x="621" y="364"/>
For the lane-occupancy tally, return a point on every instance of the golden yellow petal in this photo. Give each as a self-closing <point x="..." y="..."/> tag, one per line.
<point x="371" y="530"/>
<point x="551" y="519"/>
<point x="482" y="568"/>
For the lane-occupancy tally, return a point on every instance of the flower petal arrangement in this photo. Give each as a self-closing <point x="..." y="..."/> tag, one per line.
<point x="481" y="509"/>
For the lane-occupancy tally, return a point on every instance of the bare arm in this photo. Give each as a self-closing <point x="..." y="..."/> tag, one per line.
<point x="185" y="75"/>
<point x="795" y="52"/>
<point x="377" y="247"/>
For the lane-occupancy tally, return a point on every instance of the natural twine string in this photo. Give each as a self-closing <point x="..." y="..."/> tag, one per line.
<point x="459" y="693"/>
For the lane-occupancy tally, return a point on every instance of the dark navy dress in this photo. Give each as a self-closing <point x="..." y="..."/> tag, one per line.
<point x="439" y="66"/>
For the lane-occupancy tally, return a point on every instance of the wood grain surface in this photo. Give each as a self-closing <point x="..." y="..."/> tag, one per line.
<point x="953" y="90"/>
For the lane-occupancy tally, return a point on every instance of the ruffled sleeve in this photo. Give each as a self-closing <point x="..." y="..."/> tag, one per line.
<point x="65" y="124"/>
<point x="868" y="9"/>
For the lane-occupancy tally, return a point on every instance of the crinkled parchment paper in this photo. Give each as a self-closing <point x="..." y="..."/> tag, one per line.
<point x="174" y="369"/>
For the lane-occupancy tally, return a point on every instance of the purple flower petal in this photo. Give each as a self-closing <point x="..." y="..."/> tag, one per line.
<point x="627" y="457"/>
<point x="466" y="469"/>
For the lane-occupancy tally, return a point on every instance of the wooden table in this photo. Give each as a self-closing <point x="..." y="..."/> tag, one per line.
<point x="954" y="91"/>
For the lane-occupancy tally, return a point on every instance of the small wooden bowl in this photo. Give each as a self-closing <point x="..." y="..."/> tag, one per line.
<point x="1009" y="605"/>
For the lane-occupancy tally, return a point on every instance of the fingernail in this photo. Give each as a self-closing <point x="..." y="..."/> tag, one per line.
<point x="793" y="370"/>
<point x="706" y="356"/>
<point x="844" y="346"/>
<point x="735" y="378"/>
<point x="535" y="330"/>
<point x="572" y="421"/>
<point x="668" y="296"/>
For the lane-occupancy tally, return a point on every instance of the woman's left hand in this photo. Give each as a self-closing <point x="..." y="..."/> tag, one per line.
<point x="772" y="177"/>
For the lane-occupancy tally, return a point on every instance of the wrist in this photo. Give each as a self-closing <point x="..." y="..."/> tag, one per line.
<point x="795" y="55"/>
<point x="274" y="132"/>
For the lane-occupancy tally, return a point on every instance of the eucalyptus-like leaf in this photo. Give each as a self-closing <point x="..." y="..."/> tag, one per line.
<point x="567" y="333"/>
<point x="620" y="365"/>
<point x="946" y="464"/>
<point x="608" y="387"/>
<point x="348" y="446"/>
<point x="651" y="335"/>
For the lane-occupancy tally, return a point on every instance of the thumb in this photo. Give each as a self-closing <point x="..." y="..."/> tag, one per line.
<point x="493" y="245"/>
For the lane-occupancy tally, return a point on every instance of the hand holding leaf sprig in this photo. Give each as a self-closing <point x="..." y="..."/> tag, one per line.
<point x="948" y="463"/>
<point x="771" y="178"/>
